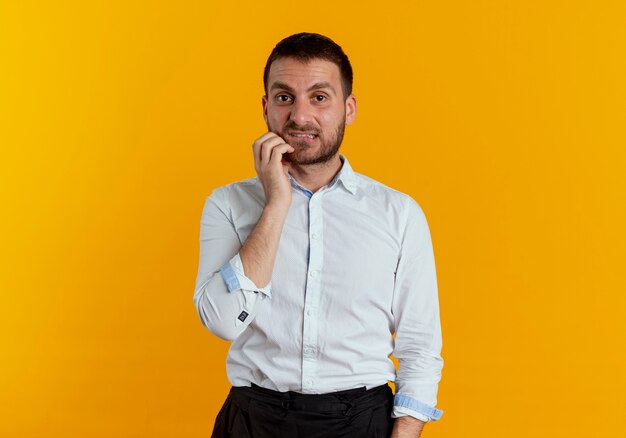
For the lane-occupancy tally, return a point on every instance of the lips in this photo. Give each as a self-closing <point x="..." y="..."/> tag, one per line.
<point x="302" y="135"/>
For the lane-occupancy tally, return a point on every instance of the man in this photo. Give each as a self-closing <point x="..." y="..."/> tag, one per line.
<point x="310" y="268"/>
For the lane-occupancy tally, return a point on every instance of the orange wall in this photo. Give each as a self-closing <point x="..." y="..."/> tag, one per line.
<point x="503" y="119"/>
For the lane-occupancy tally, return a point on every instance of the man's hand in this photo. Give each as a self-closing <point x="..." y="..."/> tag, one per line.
<point x="258" y="252"/>
<point x="268" y="153"/>
<point x="407" y="427"/>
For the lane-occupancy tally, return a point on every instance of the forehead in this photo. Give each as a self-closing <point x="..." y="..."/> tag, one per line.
<point x="299" y="74"/>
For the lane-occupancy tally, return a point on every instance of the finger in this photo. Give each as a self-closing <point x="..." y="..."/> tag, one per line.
<point x="268" y="146"/>
<point x="256" y="146"/>
<point x="278" y="151"/>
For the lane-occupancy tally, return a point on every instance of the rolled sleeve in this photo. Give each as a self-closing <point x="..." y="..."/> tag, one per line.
<point x="235" y="278"/>
<point x="417" y="325"/>
<point x="406" y="405"/>
<point x="226" y="300"/>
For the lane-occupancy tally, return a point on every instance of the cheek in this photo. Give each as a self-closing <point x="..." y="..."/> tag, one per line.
<point x="273" y="123"/>
<point x="333" y="118"/>
<point x="276" y="119"/>
<point x="330" y="121"/>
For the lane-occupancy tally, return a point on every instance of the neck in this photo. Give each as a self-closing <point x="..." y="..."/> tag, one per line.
<point x="315" y="176"/>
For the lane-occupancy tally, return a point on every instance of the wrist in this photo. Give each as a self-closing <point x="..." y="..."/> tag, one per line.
<point x="407" y="427"/>
<point x="277" y="208"/>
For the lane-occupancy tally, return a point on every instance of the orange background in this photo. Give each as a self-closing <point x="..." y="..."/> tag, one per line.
<point x="505" y="120"/>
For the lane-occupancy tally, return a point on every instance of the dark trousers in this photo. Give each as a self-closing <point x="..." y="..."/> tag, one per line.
<point x="262" y="413"/>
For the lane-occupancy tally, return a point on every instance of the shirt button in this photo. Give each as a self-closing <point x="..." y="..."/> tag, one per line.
<point x="309" y="382"/>
<point x="309" y="312"/>
<point x="313" y="274"/>
<point x="314" y="236"/>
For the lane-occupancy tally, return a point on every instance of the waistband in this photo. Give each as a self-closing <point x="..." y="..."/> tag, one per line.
<point x="341" y="401"/>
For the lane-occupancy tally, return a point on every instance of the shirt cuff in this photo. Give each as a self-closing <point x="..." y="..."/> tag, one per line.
<point x="233" y="275"/>
<point x="404" y="404"/>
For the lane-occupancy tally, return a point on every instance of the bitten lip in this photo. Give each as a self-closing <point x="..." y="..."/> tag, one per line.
<point x="301" y="133"/>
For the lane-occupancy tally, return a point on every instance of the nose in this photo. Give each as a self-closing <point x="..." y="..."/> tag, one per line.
<point x="301" y="112"/>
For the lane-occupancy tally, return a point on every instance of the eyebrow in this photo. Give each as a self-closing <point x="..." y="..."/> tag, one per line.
<point x="317" y="86"/>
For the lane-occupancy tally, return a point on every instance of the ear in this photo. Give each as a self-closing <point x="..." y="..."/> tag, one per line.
<point x="350" y="109"/>
<point x="264" y="103"/>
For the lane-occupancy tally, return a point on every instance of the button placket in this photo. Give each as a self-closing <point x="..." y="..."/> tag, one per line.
<point x="312" y="294"/>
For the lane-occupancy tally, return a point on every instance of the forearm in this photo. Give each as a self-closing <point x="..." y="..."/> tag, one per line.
<point x="258" y="253"/>
<point x="407" y="427"/>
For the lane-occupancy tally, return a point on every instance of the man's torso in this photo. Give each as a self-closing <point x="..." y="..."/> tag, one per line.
<point x="329" y="323"/>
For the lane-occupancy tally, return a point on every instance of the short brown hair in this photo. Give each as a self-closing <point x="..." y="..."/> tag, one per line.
<point x="308" y="46"/>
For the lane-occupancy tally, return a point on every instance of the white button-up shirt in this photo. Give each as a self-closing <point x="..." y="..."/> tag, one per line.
<point x="354" y="266"/>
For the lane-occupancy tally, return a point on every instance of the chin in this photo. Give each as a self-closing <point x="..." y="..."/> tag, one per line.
<point x="296" y="157"/>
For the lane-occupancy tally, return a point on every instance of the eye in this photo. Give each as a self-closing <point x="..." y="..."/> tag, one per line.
<point x="283" y="98"/>
<point x="320" y="98"/>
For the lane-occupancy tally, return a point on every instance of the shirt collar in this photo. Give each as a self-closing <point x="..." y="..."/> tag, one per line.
<point x="346" y="175"/>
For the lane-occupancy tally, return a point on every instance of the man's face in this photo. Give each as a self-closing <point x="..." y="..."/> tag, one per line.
<point x="306" y="107"/>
